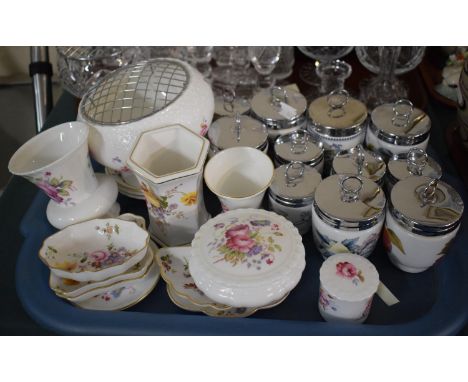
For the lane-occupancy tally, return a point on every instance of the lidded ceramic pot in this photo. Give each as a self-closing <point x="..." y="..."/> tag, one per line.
<point x="281" y="110"/>
<point x="397" y="128"/>
<point x="423" y="217"/>
<point x="292" y="192"/>
<point x="240" y="130"/>
<point x="247" y="258"/>
<point x="415" y="162"/>
<point x="359" y="161"/>
<point x="337" y="120"/>
<point x="298" y="146"/>
<point x="347" y="286"/>
<point x="142" y="97"/>
<point x="347" y="215"/>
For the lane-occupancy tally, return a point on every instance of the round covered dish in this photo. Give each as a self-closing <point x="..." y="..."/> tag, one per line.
<point x="292" y="192"/>
<point x="337" y="120"/>
<point x="358" y="161"/>
<point x="348" y="215"/>
<point x="281" y="110"/>
<point x="247" y="258"/>
<point x="397" y="128"/>
<point x="142" y="97"/>
<point x="423" y="218"/>
<point x="240" y="130"/>
<point x="299" y="146"/>
<point x="347" y="286"/>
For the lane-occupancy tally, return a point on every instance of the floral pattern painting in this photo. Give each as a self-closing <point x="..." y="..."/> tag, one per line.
<point x="349" y="271"/>
<point x="250" y="243"/>
<point x="329" y="247"/>
<point x="204" y="128"/>
<point x="116" y="293"/>
<point x="91" y="261"/>
<point x="119" y="162"/>
<point x="165" y="206"/>
<point x="390" y="239"/>
<point x="326" y="301"/>
<point x="56" y="188"/>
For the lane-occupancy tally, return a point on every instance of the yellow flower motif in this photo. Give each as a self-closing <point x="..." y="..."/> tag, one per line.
<point x="189" y="198"/>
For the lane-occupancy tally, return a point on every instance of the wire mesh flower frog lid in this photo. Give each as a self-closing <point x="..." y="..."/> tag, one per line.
<point x="279" y="108"/>
<point x="240" y="130"/>
<point x="135" y="92"/>
<point x="359" y="161"/>
<point x="337" y="114"/>
<point x="349" y="202"/>
<point x="426" y="206"/>
<point x="294" y="184"/>
<point x="349" y="277"/>
<point x="400" y="123"/>
<point x="247" y="257"/>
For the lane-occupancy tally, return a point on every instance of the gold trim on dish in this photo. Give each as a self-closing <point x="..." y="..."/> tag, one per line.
<point x="147" y="240"/>
<point x="169" y="283"/>
<point x="247" y="313"/>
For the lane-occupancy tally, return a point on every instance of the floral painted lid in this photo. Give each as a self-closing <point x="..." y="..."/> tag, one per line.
<point x="247" y="258"/>
<point x="349" y="277"/>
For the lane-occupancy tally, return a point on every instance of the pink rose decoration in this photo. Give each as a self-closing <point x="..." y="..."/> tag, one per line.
<point x="239" y="239"/>
<point x="99" y="255"/>
<point x="51" y="191"/>
<point x="346" y="269"/>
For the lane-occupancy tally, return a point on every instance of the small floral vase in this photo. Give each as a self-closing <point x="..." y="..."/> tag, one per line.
<point x="57" y="161"/>
<point x="171" y="178"/>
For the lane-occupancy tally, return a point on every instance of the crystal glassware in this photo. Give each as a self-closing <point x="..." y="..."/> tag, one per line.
<point x="80" y="67"/>
<point x="264" y="60"/>
<point x="200" y="57"/>
<point x="332" y="75"/>
<point x="284" y="67"/>
<point x="387" y="62"/>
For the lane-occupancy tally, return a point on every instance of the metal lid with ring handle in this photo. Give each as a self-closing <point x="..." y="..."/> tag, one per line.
<point x="425" y="206"/>
<point x="349" y="202"/>
<point x="294" y="184"/>
<point x="240" y="130"/>
<point x="228" y="105"/>
<point x="279" y="108"/>
<point x="358" y="161"/>
<point x="400" y="123"/>
<point x="337" y="114"/>
<point x="298" y="146"/>
<point x="415" y="162"/>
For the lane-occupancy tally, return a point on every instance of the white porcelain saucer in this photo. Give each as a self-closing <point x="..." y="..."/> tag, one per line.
<point x="101" y="202"/>
<point x="126" y="294"/>
<point x="125" y="188"/>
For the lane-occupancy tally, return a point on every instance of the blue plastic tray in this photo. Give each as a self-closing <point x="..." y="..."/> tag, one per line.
<point x="432" y="302"/>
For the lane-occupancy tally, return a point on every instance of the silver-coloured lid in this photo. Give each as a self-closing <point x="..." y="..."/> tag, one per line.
<point x="415" y="162"/>
<point x="279" y="108"/>
<point x="298" y="146"/>
<point x="426" y="206"/>
<point x="134" y="92"/>
<point x="337" y="114"/>
<point x="294" y="184"/>
<point x="240" y="130"/>
<point x="359" y="161"/>
<point x="349" y="202"/>
<point x="400" y="123"/>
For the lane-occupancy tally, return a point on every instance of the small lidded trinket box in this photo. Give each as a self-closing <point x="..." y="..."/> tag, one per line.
<point x="397" y="128"/>
<point x="347" y="215"/>
<point x="292" y="192"/>
<point x="358" y="161"/>
<point x="423" y="218"/>
<point x="298" y="146"/>
<point x="281" y="110"/>
<point x="337" y="120"/>
<point x="415" y="162"/>
<point x="347" y="287"/>
<point x="240" y="130"/>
